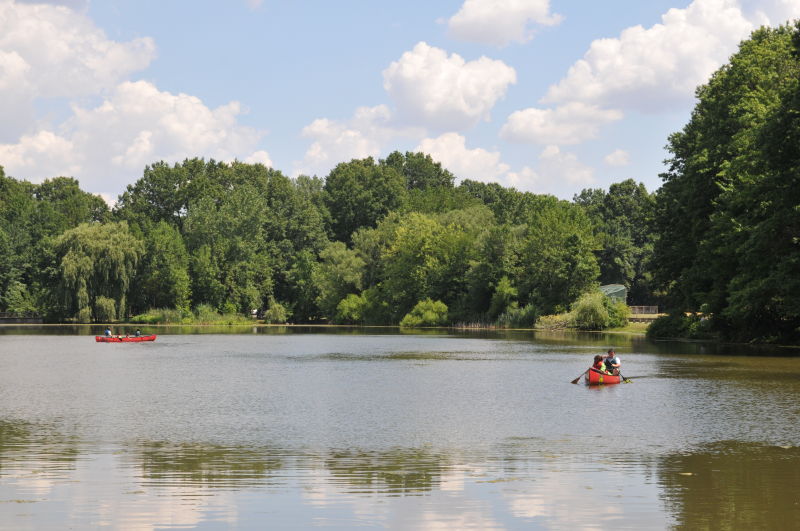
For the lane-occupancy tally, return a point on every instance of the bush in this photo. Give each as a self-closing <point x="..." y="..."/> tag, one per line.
<point x="618" y="313"/>
<point x="426" y="313"/>
<point x="515" y="317"/>
<point x="554" y="322"/>
<point x="680" y="326"/>
<point x="352" y="309"/>
<point x="161" y="316"/>
<point x="590" y="313"/>
<point x="276" y="313"/>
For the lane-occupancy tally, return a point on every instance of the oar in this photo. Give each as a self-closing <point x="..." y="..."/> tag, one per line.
<point x="579" y="377"/>
<point x="625" y="380"/>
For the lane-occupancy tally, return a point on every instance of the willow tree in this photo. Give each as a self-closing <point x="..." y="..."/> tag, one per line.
<point x="97" y="263"/>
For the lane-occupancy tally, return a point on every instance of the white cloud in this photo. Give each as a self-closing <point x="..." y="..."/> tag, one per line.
<point x="445" y="92"/>
<point x="107" y="146"/>
<point x="500" y="22"/>
<point x="572" y="123"/>
<point x="659" y="67"/>
<point x="49" y="51"/>
<point x="362" y="136"/>
<point x="526" y="180"/>
<point x="476" y="164"/>
<point x="618" y="157"/>
<point x="556" y="167"/>
<point x="771" y="12"/>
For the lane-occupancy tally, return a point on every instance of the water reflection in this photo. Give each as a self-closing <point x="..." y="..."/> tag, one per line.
<point x="733" y="485"/>
<point x="204" y="464"/>
<point x="394" y="472"/>
<point x="53" y="450"/>
<point x="522" y="483"/>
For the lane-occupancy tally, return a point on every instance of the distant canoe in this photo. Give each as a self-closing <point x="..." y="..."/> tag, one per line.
<point x="130" y="339"/>
<point x="595" y="377"/>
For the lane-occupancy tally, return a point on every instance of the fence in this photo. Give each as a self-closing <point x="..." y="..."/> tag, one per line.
<point x="635" y="310"/>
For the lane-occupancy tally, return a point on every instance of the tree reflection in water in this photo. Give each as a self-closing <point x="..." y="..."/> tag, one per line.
<point x="733" y="485"/>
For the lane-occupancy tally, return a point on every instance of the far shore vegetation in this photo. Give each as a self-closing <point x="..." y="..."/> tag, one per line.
<point x="396" y="241"/>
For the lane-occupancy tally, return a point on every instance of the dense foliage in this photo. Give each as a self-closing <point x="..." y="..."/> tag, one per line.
<point x="728" y="214"/>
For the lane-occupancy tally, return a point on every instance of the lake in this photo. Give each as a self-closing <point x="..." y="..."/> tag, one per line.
<point x="346" y="428"/>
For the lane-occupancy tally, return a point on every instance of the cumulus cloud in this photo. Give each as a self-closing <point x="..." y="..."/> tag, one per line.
<point x="618" y="157"/>
<point x="572" y="123"/>
<point x="444" y="92"/>
<point x="477" y="164"/>
<point x="526" y="180"/>
<point x="500" y="22"/>
<point x="556" y="166"/>
<point x="107" y="146"/>
<point x="49" y="51"/>
<point x="659" y="67"/>
<point x="362" y="136"/>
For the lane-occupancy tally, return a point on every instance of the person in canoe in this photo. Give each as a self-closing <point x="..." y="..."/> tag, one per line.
<point x="107" y="333"/>
<point x="612" y="362"/>
<point x="599" y="363"/>
<point x="138" y="333"/>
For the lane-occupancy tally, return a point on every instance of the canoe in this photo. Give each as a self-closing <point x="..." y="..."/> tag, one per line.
<point x="595" y="377"/>
<point x="130" y="339"/>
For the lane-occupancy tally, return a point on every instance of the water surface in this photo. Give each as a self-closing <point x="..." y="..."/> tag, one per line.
<point x="299" y="428"/>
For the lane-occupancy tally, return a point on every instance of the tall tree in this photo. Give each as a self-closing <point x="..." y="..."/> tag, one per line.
<point x="716" y="152"/>
<point x="359" y="193"/>
<point x="97" y="262"/>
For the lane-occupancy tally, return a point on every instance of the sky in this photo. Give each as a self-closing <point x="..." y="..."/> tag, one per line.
<point x="547" y="96"/>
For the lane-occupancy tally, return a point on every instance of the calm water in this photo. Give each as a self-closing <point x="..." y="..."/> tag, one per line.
<point x="297" y="428"/>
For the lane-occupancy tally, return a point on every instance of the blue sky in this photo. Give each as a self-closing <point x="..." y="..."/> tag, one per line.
<point x="546" y="96"/>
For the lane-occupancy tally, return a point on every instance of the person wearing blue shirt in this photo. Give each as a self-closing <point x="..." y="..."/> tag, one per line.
<point x="108" y="332"/>
<point x="612" y="362"/>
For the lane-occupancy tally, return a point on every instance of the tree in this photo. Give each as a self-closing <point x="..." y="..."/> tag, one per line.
<point x="717" y="151"/>
<point x="557" y="259"/>
<point x="622" y="218"/>
<point x="420" y="171"/>
<point x="96" y="261"/>
<point x="163" y="279"/>
<point x="360" y="193"/>
<point x="339" y="273"/>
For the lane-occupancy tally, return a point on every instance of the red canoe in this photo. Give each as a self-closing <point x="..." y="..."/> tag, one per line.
<point x="595" y="377"/>
<point x="130" y="339"/>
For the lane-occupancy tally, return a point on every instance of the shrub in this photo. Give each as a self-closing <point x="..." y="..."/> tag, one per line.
<point x="590" y="312"/>
<point x="515" y="317"/>
<point x="554" y="322"/>
<point x="352" y="309"/>
<point x="276" y="313"/>
<point x="618" y="313"/>
<point x="426" y="313"/>
<point x="161" y="316"/>
<point x="676" y="326"/>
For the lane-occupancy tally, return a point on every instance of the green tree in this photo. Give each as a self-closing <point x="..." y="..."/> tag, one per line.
<point x="419" y="170"/>
<point x="623" y="219"/>
<point x="163" y="278"/>
<point x="339" y="273"/>
<point x="360" y="193"/>
<point x="717" y="152"/>
<point x="558" y="263"/>
<point x="96" y="261"/>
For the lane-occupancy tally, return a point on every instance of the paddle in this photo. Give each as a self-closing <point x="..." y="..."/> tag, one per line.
<point x="625" y="380"/>
<point x="579" y="377"/>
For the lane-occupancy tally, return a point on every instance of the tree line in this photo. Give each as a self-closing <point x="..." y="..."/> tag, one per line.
<point x="367" y="244"/>
<point x="396" y="240"/>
